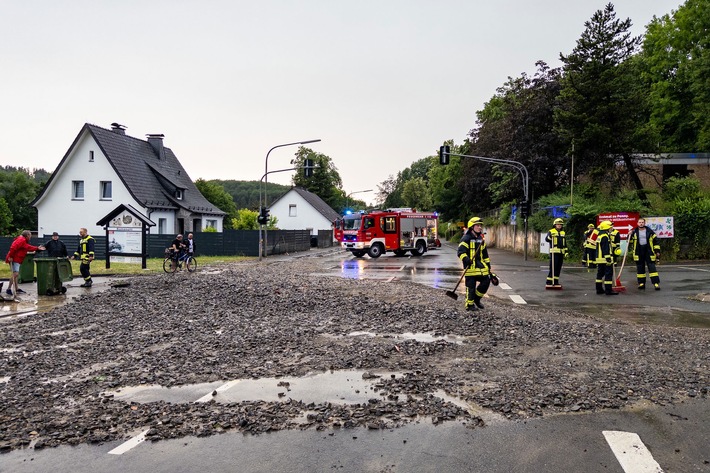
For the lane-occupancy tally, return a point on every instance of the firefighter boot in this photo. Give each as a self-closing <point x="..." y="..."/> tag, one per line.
<point x="599" y="287"/>
<point x="471" y="308"/>
<point x="87" y="283"/>
<point x="477" y="301"/>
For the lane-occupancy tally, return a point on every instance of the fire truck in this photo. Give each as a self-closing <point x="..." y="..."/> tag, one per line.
<point x="394" y="230"/>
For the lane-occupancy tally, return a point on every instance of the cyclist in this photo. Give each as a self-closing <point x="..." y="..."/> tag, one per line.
<point x="177" y="249"/>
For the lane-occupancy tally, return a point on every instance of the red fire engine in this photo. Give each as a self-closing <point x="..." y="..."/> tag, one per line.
<point x="395" y="230"/>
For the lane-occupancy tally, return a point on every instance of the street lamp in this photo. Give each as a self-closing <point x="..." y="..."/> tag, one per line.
<point x="347" y="197"/>
<point x="262" y="242"/>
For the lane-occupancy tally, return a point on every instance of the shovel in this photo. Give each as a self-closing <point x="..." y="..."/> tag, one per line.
<point x="452" y="294"/>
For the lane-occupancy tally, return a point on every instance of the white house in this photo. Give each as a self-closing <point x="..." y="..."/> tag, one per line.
<point x="299" y="209"/>
<point x="105" y="168"/>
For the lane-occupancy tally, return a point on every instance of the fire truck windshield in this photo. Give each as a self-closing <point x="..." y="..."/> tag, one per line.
<point x="351" y="222"/>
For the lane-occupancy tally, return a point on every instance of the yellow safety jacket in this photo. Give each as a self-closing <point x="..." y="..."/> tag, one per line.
<point x="591" y="241"/>
<point x="603" y="248"/>
<point x="650" y="240"/>
<point x="86" y="249"/>
<point x="557" y="241"/>
<point x="474" y="246"/>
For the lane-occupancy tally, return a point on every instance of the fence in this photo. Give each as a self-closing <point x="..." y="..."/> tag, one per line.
<point x="227" y="243"/>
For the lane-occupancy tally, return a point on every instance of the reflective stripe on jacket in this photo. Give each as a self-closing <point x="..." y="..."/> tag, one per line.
<point x="473" y="245"/>
<point x="603" y="247"/>
<point x="557" y="240"/>
<point x="86" y="249"/>
<point x="635" y="248"/>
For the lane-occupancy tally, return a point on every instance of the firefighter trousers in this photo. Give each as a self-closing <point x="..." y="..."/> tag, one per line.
<point x="605" y="276"/>
<point x="644" y="260"/>
<point x="553" y="276"/>
<point x="476" y="287"/>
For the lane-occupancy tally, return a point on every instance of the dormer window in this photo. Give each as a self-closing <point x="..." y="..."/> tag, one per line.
<point x="178" y="194"/>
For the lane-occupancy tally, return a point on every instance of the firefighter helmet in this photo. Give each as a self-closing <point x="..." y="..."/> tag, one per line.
<point x="590" y="226"/>
<point x="558" y="221"/>
<point x="605" y="225"/>
<point x="475" y="221"/>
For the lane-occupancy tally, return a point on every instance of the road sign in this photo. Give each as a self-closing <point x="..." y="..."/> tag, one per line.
<point x="622" y="221"/>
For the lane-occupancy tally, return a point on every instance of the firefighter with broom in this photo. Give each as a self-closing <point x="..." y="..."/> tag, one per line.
<point x="605" y="260"/>
<point x="558" y="252"/>
<point x="473" y="254"/>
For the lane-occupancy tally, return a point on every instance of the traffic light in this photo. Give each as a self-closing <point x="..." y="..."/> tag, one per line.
<point x="525" y="208"/>
<point x="263" y="217"/>
<point x="444" y="154"/>
<point x="308" y="168"/>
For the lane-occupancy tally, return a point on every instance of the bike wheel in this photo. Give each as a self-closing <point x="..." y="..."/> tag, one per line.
<point x="169" y="265"/>
<point x="191" y="264"/>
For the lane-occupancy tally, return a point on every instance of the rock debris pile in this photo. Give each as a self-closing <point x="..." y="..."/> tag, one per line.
<point x="275" y="320"/>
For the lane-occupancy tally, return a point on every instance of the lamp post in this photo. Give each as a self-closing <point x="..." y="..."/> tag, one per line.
<point x="347" y="197"/>
<point x="262" y="242"/>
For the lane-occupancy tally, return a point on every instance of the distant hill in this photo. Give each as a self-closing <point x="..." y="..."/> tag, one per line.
<point x="246" y="193"/>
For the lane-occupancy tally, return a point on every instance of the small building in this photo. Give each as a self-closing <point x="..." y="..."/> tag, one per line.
<point x="104" y="168"/>
<point x="299" y="209"/>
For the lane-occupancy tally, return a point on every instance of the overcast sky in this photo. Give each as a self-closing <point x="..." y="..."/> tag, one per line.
<point x="382" y="83"/>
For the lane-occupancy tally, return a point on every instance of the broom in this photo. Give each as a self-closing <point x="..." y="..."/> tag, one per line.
<point x="618" y="287"/>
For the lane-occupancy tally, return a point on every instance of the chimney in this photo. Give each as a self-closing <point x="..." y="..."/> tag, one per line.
<point x="156" y="141"/>
<point x="118" y="128"/>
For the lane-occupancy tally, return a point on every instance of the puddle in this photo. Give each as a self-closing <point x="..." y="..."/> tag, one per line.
<point x="419" y="337"/>
<point x="488" y="416"/>
<point x="647" y="315"/>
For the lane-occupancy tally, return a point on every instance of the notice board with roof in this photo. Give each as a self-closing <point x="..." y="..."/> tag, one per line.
<point x="126" y="230"/>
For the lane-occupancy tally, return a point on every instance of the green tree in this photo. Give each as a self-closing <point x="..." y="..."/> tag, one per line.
<point x="325" y="182"/>
<point x="602" y="100"/>
<point x="5" y="218"/>
<point x="445" y="184"/>
<point x="245" y="220"/>
<point x="19" y="188"/>
<point x="217" y="196"/>
<point x="416" y="194"/>
<point x="676" y="59"/>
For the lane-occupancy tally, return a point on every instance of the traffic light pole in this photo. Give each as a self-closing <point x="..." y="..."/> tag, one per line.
<point x="504" y="162"/>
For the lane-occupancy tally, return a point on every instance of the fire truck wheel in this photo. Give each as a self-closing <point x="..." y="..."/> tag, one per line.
<point x="358" y="254"/>
<point x="376" y="250"/>
<point x="419" y="249"/>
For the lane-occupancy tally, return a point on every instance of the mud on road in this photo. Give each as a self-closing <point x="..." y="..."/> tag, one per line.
<point x="60" y="370"/>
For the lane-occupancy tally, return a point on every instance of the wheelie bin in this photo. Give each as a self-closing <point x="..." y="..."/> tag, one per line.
<point x="27" y="269"/>
<point x="51" y="272"/>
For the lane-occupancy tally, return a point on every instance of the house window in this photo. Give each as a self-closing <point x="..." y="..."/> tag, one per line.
<point x="77" y="190"/>
<point x="211" y="223"/>
<point x="178" y="194"/>
<point x="292" y="210"/>
<point x="162" y="226"/>
<point x="106" y="191"/>
<point x="91" y="156"/>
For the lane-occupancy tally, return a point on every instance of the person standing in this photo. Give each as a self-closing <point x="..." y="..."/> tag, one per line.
<point x="558" y="252"/>
<point x="85" y="252"/>
<point x="177" y="248"/>
<point x="615" y="240"/>
<point x="646" y="251"/>
<point x="590" y="246"/>
<point x="15" y="256"/>
<point x="473" y="254"/>
<point x="190" y="246"/>
<point x="56" y="247"/>
<point x="604" y="260"/>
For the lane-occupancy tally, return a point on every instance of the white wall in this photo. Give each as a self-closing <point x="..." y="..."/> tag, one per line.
<point x="57" y="212"/>
<point x="306" y="216"/>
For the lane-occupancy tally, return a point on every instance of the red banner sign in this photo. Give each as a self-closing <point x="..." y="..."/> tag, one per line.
<point x="622" y="221"/>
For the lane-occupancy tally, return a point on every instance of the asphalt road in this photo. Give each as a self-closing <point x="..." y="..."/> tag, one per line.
<point x="645" y="438"/>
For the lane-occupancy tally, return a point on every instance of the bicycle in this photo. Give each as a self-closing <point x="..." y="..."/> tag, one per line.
<point x="174" y="262"/>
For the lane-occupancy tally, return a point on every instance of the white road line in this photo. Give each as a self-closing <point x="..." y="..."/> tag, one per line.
<point x="129" y="444"/>
<point x="694" y="269"/>
<point x="504" y="286"/>
<point x="517" y="299"/>
<point x="632" y="454"/>
<point x="140" y="438"/>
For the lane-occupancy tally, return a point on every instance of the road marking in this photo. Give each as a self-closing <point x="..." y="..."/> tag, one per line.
<point x="140" y="438"/>
<point x="695" y="269"/>
<point x="632" y="454"/>
<point x="517" y="299"/>
<point x="129" y="444"/>
<point x="504" y="286"/>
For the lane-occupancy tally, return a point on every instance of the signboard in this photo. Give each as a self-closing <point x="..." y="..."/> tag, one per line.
<point x="126" y="230"/>
<point x="622" y="221"/>
<point x="125" y="240"/>
<point x="662" y="226"/>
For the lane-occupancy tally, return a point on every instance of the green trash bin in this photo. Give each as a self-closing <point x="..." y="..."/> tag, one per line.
<point x="50" y="276"/>
<point x="27" y="269"/>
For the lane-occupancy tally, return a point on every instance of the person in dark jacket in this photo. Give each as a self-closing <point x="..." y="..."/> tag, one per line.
<point x="56" y="247"/>
<point x="473" y="254"/>
<point x="85" y="253"/>
<point x="646" y="251"/>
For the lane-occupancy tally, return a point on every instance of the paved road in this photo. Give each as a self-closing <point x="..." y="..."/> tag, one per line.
<point x="641" y="439"/>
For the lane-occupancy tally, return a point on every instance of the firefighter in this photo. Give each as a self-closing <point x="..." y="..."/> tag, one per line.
<point x="604" y="260"/>
<point x="85" y="252"/>
<point x="558" y="252"/>
<point x="590" y="247"/>
<point x="474" y="255"/>
<point x="615" y="239"/>
<point x="646" y="251"/>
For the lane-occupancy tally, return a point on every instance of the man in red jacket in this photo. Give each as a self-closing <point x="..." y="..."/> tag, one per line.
<point x="15" y="257"/>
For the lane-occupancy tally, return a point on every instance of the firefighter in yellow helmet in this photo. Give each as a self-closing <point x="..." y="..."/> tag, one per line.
<point x="590" y="246"/>
<point x="604" y="260"/>
<point x="474" y="255"/>
<point x="558" y="252"/>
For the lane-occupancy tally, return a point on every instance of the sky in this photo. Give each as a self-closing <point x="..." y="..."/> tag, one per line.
<point x="382" y="83"/>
